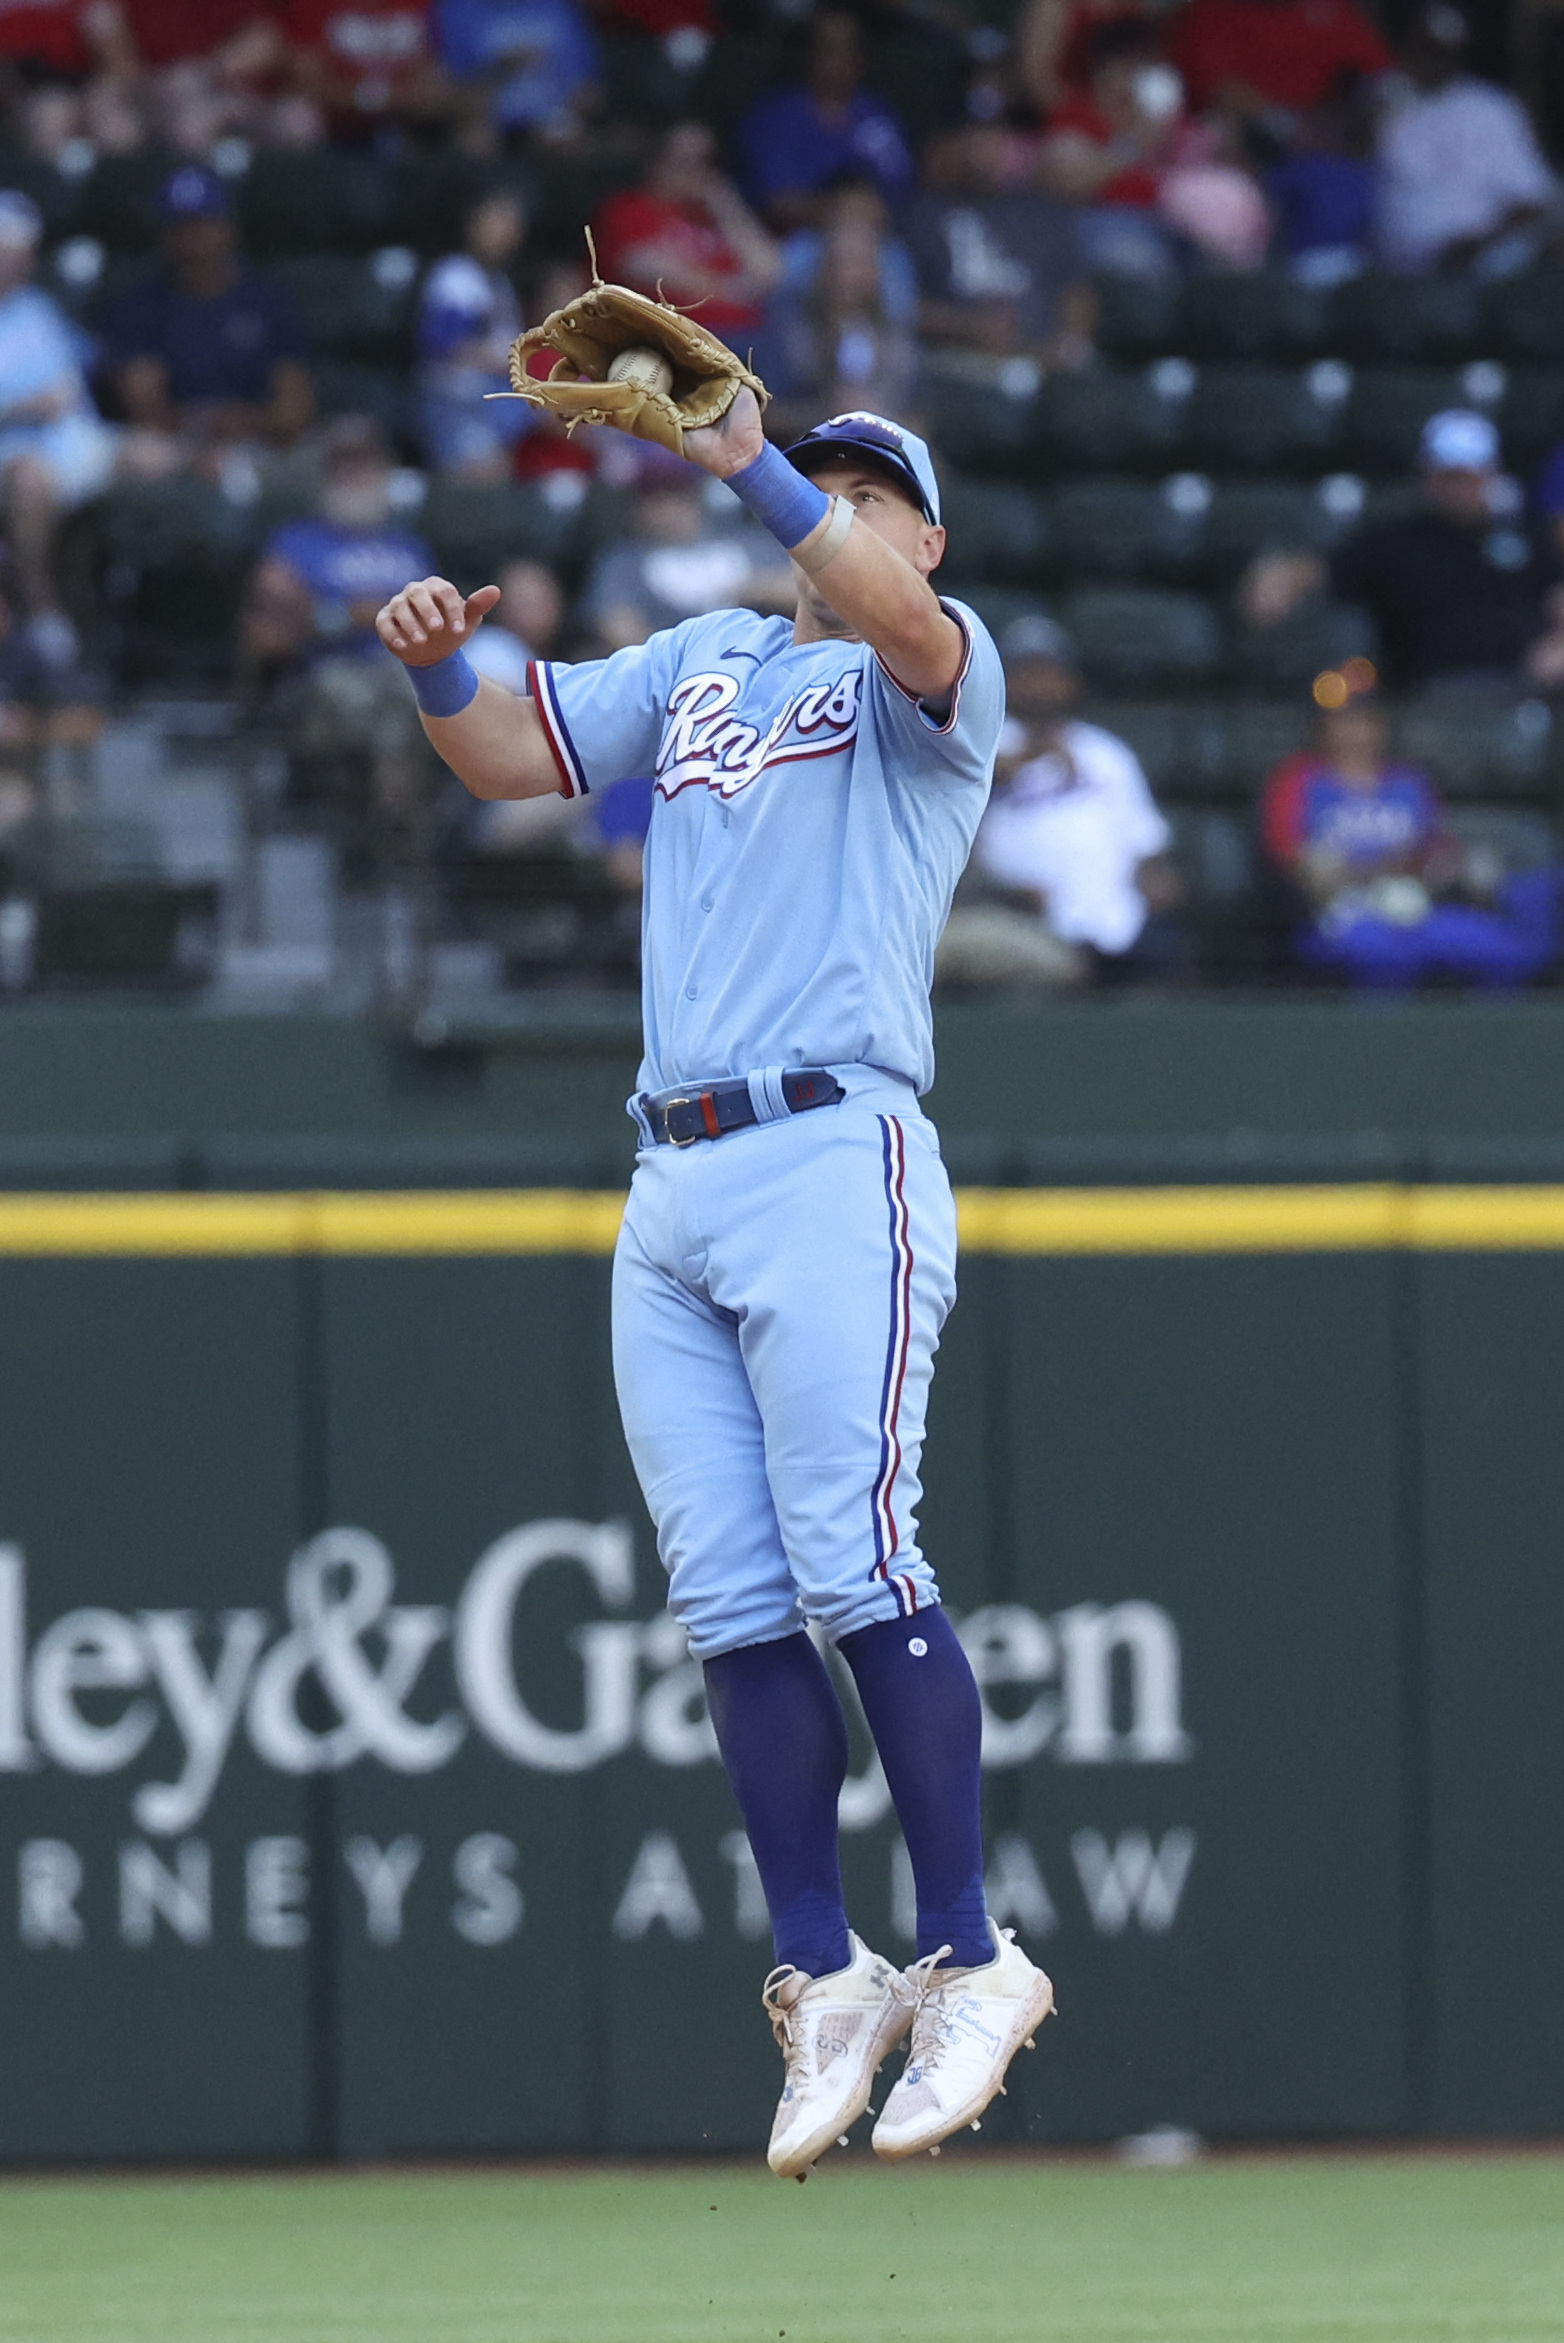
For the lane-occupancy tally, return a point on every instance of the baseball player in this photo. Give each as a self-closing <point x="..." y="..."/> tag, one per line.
<point x="787" y="1257"/>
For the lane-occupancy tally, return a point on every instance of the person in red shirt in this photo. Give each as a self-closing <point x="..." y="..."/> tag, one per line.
<point x="1108" y="142"/>
<point x="1250" y="56"/>
<point x="69" y="40"/>
<point x="206" y="66"/>
<point x="687" y="228"/>
<point x="1053" y="44"/>
<point x="367" y="61"/>
<point x="219" y="34"/>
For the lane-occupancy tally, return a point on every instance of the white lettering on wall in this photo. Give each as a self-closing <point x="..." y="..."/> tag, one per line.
<point x="205" y="1708"/>
<point x="151" y="1890"/>
<point x="90" y="1651"/>
<point x="339" y="1588"/>
<point x="1015" y="1889"/>
<point x="491" y="1906"/>
<point x="48" y="1881"/>
<point x="276" y="1887"/>
<point x="1091" y="1635"/>
<point x="1096" y="1684"/>
<point x="1132" y="1879"/>
<point x="1008" y="1644"/>
<point x="384" y="1874"/>
<point x="658" y="1894"/>
<point x="485" y="1630"/>
<point x="16" y="1753"/>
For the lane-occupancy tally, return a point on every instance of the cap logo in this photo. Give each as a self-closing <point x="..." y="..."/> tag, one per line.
<point x="869" y="427"/>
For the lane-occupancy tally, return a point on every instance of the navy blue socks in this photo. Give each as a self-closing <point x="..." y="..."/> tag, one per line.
<point x="921" y="1700"/>
<point x="784" y="1743"/>
<point x="783" y="1739"/>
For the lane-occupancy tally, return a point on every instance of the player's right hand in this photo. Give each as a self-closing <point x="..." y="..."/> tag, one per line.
<point x="428" y="620"/>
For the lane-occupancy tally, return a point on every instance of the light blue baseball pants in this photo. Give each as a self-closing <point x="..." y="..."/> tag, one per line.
<point x="778" y="1300"/>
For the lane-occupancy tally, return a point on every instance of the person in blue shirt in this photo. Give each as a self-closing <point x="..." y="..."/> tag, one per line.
<point x="1393" y="896"/>
<point x="1323" y="193"/>
<point x="308" y="644"/>
<point x="468" y="316"/>
<point x="797" y="142"/>
<point x="536" y="60"/>
<point x="202" y="347"/>
<point x="55" y="452"/>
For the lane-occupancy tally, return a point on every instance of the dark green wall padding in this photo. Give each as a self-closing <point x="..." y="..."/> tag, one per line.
<point x="1259" y="1550"/>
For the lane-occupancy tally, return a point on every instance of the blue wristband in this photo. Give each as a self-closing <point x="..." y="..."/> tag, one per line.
<point x="788" y="504"/>
<point x="447" y="687"/>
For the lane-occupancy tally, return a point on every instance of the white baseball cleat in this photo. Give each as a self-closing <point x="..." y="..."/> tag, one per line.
<point x="833" y="2032"/>
<point x="967" y="2025"/>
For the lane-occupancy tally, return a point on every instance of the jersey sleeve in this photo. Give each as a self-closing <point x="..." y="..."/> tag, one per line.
<point x="603" y="718"/>
<point x="955" y="742"/>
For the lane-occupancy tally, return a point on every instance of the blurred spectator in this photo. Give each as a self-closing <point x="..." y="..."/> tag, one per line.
<point x="55" y="452"/>
<point x="1392" y="895"/>
<point x="840" y="329"/>
<point x="797" y="141"/>
<point x="535" y="63"/>
<point x="524" y="625"/>
<point x="68" y="127"/>
<point x="621" y="815"/>
<point x="43" y="703"/>
<point x="1151" y="184"/>
<point x="368" y="62"/>
<point x="1260" y="59"/>
<point x="201" y="346"/>
<point x="688" y="229"/>
<point x="1323" y="192"/>
<point x="1106" y="145"/>
<point x="66" y="40"/>
<point x="1074" y="839"/>
<point x="677" y="565"/>
<point x="998" y="266"/>
<point x="1465" y="587"/>
<point x="307" y="639"/>
<point x="1462" y="178"/>
<point x="207" y="66"/>
<point x="1053" y="40"/>
<point x="468" y="317"/>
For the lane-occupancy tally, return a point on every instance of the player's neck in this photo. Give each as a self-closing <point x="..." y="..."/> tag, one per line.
<point x="815" y="621"/>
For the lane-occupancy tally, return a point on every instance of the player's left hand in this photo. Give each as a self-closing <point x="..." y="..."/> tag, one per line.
<point x="728" y="446"/>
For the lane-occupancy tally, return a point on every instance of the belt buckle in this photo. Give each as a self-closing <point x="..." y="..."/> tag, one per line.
<point x="668" y="1106"/>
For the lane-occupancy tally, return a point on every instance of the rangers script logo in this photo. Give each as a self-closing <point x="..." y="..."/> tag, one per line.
<point x="704" y="746"/>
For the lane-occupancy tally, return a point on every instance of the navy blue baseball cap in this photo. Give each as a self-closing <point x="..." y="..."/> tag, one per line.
<point x="857" y="433"/>
<point x="193" y="193"/>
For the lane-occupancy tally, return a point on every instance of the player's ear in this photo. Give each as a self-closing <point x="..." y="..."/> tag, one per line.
<point x="933" y="550"/>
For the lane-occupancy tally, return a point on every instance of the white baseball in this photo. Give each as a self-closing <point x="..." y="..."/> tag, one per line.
<point x="645" y="366"/>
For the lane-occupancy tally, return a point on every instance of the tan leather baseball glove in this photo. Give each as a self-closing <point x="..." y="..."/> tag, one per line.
<point x="589" y="333"/>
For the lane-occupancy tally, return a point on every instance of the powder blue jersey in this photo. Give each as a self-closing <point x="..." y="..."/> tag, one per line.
<point x="809" y="823"/>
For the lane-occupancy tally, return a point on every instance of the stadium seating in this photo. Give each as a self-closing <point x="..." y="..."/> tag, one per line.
<point x="1133" y="635"/>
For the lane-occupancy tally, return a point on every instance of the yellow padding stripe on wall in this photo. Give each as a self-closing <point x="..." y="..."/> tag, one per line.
<point x="1016" y="1221"/>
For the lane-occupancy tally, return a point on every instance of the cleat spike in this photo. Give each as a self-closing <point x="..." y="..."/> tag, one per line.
<point x="842" y="2140"/>
<point x="934" y="2151"/>
<point x="1003" y="2093"/>
<point x="976" y="2126"/>
<point x="1031" y="2045"/>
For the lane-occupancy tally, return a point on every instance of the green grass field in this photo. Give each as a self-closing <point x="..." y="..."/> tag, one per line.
<point x="1319" y="2249"/>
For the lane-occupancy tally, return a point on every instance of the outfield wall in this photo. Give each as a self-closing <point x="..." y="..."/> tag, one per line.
<point x="355" y="1791"/>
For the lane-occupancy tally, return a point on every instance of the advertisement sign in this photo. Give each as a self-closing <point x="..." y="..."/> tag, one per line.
<point x="356" y="1789"/>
